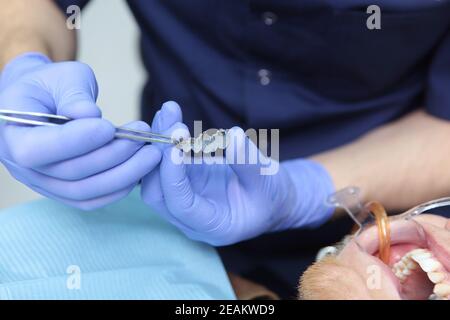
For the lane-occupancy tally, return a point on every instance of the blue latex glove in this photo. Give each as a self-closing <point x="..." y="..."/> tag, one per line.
<point x="223" y="204"/>
<point x="79" y="163"/>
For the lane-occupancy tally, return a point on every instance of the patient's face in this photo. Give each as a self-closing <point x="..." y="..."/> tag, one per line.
<point x="419" y="265"/>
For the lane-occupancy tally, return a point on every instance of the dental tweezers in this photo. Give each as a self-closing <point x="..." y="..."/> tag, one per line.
<point x="44" y="119"/>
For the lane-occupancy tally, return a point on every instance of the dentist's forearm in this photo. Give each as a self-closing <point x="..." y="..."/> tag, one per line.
<point x="400" y="164"/>
<point x="36" y="25"/>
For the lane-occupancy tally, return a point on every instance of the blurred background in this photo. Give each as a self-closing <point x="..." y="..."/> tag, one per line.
<point x="108" y="42"/>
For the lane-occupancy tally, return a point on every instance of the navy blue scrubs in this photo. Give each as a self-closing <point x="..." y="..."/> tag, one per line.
<point x="311" y="68"/>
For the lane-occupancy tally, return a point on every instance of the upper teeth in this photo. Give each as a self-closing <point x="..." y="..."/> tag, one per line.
<point x="428" y="264"/>
<point x="434" y="269"/>
<point x="420" y="255"/>
<point x="436" y="277"/>
<point x="442" y="290"/>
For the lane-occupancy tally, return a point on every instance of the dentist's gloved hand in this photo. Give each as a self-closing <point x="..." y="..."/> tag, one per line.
<point x="223" y="204"/>
<point x="79" y="163"/>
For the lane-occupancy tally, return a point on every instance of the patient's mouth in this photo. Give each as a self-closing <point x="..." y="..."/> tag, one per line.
<point x="420" y="272"/>
<point x="419" y="265"/>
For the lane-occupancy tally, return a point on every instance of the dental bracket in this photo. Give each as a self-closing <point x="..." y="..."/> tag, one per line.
<point x="206" y="142"/>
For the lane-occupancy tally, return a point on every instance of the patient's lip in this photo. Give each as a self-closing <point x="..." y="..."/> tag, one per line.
<point x="440" y="246"/>
<point x="358" y="260"/>
<point x="402" y="231"/>
<point x="408" y="234"/>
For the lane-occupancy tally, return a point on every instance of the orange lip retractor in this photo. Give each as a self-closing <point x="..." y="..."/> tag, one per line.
<point x="384" y="233"/>
<point x="370" y="214"/>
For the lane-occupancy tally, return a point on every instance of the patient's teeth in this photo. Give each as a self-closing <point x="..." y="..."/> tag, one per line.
<point x="406" y="272"/>
<point x="400" y="275"/>
<point x="442" y="289"/>
<point x="411" y="265"/>
<point x="433" y="297"/>
<point x="430" y="265"/>
<point x="436" y="277"/>
<point x="421" y="256"/>
<point x="416" y="251"/>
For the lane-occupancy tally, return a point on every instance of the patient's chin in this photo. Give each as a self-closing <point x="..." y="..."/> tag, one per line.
<point x="352" y="275"/>
<point x="330" y="280"/>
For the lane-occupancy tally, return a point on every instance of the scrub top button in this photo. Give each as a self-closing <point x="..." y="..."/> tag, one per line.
<point x="264" y="76"/>
<point x="269" y="18"/>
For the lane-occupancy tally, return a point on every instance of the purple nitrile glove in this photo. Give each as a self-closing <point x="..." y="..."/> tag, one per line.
<point x="223" y="204"/>
<point x="78" y="163"/>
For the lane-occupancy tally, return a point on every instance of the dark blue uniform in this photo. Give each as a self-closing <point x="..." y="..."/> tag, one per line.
<point x="311" y="68"/>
